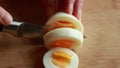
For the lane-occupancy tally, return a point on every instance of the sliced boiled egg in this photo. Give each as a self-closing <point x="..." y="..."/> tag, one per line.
<point x="60" y="58"/>
<point x="63" y="37"/>
<point x="61" y="20"/>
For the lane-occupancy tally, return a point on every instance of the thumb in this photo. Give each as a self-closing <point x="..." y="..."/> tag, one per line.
<point x="5" y="17"/>
<point x="50" y="7"/>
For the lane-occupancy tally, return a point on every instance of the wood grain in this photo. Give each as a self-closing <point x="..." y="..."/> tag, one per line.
<point x="100" y="49"/>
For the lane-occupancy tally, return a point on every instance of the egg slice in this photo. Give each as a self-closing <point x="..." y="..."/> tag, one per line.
<point x="60" y="58"/>
<point x="63" y="37"/>
<point x="61" y="20"/>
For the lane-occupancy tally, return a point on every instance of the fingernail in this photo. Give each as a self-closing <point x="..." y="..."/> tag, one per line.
<point x="6" y="19"/>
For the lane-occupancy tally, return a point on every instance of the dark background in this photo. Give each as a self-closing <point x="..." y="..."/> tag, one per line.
<point x="25" y="10"/>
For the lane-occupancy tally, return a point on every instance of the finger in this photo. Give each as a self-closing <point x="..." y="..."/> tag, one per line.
<point x="78" y="9"/>
<point x="50" y="6"/>
<point x="66" y="6"/>
<point x="5" y="17"/>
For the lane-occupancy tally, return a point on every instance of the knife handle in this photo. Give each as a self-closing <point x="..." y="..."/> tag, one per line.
<point x="14" y="28"/>
<point x="1" y="27"/>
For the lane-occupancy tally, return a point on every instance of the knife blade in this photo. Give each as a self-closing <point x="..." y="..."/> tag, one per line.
<point x="20" y="29"/>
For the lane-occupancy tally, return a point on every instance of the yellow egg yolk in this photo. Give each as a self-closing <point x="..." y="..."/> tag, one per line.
<point x="65" y="43"/>
<point x="61" y="59"/>
<point x="60" y="24"/>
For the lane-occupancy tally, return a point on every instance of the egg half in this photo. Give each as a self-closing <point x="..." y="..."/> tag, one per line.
<point x="63" y="37"/>
<point x="60" y="58"/>
<point x="61" y="20"/>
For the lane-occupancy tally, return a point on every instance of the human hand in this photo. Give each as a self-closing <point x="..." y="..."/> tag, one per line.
<point x="73" y="7"/>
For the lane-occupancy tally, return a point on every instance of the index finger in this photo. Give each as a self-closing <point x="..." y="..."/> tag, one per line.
<point x="66" y="6"/>
<point x="78" y="9"/>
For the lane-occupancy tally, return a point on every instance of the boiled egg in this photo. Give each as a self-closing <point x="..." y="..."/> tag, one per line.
<point x="60" y="58"/>
<point x="63" y="37"/>
<point x="61" y="20"/>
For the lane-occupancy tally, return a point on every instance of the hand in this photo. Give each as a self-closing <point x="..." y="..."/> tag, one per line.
<point x="73" y="7"/>
<point x="31" y="13"/>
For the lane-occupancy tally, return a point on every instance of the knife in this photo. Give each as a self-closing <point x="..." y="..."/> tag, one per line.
<point x="23" y="29"/>
<point x="20" y="29"/>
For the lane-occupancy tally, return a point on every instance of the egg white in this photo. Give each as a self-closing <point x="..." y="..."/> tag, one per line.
<point x="61" y="16"/>
<point x="47" y="59"/>
<point x="64" y="33"/>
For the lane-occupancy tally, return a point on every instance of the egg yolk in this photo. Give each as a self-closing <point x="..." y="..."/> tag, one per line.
<point x="65" y="43"/>
<point x="61" y="59"/>
<point x="60" y="24"/>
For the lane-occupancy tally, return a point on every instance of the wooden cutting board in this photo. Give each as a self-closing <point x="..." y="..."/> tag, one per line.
<point x="100" y="49"/>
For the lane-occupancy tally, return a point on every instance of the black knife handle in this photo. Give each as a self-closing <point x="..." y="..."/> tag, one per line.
<point x="1" y="27"/>
<point x="14" y="29"/>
